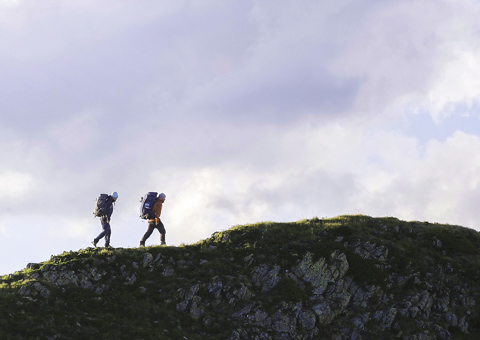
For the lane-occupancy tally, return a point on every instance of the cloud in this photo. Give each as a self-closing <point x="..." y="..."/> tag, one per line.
<point x="77" y="133"/>
<point x="14" y="185"/>
<point x="457" y="91"/>
<point x="240" y="111"/>
<point x="431" y="184"/>
<point x="408" y="61"/>
<point x="9" y="3"/>
<point x="385" y="173"/>
<point x="286" y="73"/>
<point x="62" y="229"/>
<point x="4" y="231"/>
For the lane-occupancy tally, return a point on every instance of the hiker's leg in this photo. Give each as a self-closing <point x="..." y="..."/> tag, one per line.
<point x="161" y="229"/>
<point x="108" y="232"/>
<point x="151" y="227"/>
<point x="102" y="234"/>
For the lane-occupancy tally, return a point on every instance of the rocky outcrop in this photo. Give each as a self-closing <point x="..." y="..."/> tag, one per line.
<point x="359" y="289"/>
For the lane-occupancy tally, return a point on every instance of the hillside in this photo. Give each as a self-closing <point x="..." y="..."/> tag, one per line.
<point x="349" y="277"/>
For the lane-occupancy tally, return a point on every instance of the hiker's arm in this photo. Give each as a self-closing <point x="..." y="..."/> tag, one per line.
<point x="158" y="213"/>
<point x="109" y="215"/>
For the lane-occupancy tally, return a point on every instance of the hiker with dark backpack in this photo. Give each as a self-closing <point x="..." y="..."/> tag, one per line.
<point x="104" y="209"/>
<point x="150" y="209"/>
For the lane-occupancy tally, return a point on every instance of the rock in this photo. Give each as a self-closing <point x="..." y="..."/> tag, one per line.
<point x="339" y="265"/>
<point x="258" y="273"/>
<point x="463" y="324"/>
<point x="196" y="310"/>
<point x="193" y="290"/>
<point x="323" y="311"/>
<point x="182" y="306"/>
<point x="244" y="293"/>
<point x="130" y="279"/>
<point x="158" y="259"/>
<point x="147" y="259"/>
<point x="41" y="289"/>
<point x="319" y="274"/>
<point x="283" y="323"/>
<point x="265" y="278"/>
<point x="94" y="274"/>
<point x="413" y="311"/>
<point x="215" y="288"/>
<point x="314" y="273"/>
<point x="271" y="279"/>
<point x="266" y="295"/>
<point x="169" y="271"/>
<point x="386" y="318"/>
<point x="245" y="310"/>
<point x="23" y="291"/>
<point x="340" y="302"/>
<point x="307" y="320"/>
<point x="238" y="334"/>
<point x="33" y="266"/>
<point x="248" y="260"/>
<point x="441" y="332"/>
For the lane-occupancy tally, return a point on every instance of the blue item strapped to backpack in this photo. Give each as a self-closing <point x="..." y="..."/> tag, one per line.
<point x="146" y="206"/>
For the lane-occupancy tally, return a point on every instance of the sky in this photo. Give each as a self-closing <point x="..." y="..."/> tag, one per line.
<point x="239" y="111"/>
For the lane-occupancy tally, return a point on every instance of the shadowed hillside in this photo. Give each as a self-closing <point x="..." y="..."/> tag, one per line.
<point x="349" y="277"/>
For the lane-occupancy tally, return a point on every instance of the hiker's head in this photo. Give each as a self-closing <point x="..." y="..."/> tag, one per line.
<point x="162" y="197"/>
<point x="114" y="195"/>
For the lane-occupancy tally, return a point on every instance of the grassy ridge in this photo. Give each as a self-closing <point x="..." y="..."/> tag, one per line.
<point x="146" y="306"/>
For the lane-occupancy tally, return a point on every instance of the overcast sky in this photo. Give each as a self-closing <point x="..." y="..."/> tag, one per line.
<point x="239" y="111"/>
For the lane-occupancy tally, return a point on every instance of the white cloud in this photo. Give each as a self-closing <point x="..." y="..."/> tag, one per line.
<point x="14" y="184"/>
<point x="430" y="184"/>
<point x="457" y="89"/>
<point x="324" y="170"/>
<point x="406" y="60"/>
<point x="76" y="133"/>
<point x="241" y="111"/>
<point x="61" y="228"/>
<point x="4" y="231"/>
<point x="454" y="166"/>
<point x="9" y="3"/>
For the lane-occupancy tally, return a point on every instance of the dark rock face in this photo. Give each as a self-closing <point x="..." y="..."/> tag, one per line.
<point x="357" y="285"/>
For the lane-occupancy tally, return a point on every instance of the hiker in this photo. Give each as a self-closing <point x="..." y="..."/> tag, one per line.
<point x="156" y="223"/>
<point x="105" y="220"/>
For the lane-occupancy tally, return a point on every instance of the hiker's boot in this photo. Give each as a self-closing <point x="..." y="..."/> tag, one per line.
<point x="163" y="243"/>
<point x="142" y="244"/>
<point x="94" y="242"/>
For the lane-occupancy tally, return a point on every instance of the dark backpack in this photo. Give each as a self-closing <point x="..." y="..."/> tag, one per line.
<point x="101" y="205"/>
<point x="146" y="206"/>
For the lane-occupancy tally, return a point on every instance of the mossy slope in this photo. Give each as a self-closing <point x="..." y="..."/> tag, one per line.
<point x="238" y="283"/>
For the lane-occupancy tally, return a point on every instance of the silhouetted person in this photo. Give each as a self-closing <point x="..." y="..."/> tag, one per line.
<point x="105" y="221"/>
<point x="156" y="223"/>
